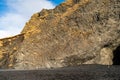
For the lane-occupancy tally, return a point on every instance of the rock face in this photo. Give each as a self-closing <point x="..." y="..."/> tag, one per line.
<point x="8" y="47"/>
<point x="75" y="32"/>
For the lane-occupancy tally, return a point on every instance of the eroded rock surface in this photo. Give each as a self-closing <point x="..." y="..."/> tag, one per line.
<point x="75" y="32"/>
<point x="8" y="47"/>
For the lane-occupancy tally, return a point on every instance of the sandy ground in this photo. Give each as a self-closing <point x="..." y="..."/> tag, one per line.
<point x="83" y="72"/>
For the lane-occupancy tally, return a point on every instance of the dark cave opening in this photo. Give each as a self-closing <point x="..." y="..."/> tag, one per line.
<point x="116" y="54"/>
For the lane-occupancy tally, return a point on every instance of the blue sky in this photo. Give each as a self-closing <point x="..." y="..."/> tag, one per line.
<point x="3" y="7"/>
<point x="57" y="1"/>
<point x="15" y="13"/>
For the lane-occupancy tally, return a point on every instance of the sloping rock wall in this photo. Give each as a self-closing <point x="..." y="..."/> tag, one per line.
<point x="75" y="32"/>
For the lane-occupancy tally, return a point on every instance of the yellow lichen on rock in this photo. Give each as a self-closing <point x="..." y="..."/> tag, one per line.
<point x="9" y="39"/>
<point x="33" y="30"/>
<point x="14" y="48"/>
<point x="10" y="65"/>
<point x="1" y="43"/>
<point x="1" y="55"/>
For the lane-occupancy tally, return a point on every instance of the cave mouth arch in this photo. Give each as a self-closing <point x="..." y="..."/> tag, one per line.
<point x="116" y="56"/>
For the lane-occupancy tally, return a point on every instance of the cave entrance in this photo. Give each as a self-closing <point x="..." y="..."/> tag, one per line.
<point x="116" y="54"/>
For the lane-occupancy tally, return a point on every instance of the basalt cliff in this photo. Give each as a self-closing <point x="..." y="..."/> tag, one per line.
<point x="73" y="33"/>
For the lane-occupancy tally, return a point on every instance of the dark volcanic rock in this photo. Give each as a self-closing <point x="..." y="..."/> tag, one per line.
<point x="75" y="32"/>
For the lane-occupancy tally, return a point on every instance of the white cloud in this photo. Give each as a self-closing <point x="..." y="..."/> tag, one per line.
<point x="26" y="7"/>
<point x="19" y="13"/>
<point x="4" y="33"/>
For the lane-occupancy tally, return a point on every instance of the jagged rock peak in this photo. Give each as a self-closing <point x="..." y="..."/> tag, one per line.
<point x="62" y="9"/>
